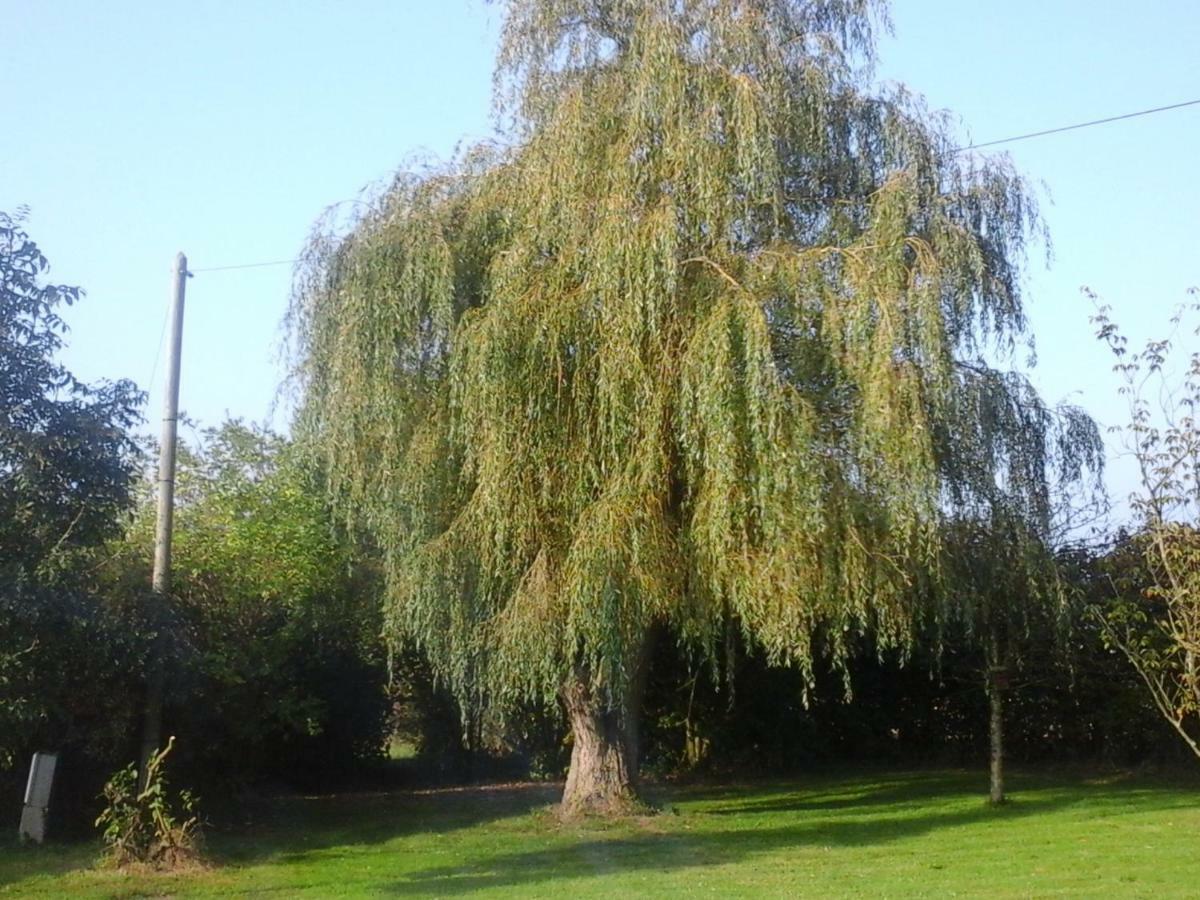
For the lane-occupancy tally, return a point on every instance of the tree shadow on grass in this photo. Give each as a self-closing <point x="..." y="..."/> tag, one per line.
<point x="289" y="828"/>
<point x="884" y="815"/>
<point x="847" y="791"/>
<point x="21" y="862"/>
<point x="286" y="829"/>
<point x="834" y="793"/>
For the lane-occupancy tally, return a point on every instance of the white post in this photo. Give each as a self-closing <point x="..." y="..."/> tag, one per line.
<point x="38" y="789"/>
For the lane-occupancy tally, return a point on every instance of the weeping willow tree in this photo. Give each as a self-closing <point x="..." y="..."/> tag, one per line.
<point x="679" y="355"/>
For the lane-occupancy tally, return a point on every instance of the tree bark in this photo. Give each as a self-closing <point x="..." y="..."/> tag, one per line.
<point x="997" y="682"/>
<point x="603" y="777"/>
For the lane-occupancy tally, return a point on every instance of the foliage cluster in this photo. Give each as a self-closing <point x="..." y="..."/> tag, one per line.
<point x="1068" y="700"/>
<point x="67" y="456"/>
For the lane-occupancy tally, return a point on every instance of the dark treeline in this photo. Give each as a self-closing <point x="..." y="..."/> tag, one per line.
<point x="1070" y="700"/>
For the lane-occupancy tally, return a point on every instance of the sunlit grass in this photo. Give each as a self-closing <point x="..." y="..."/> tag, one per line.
<point x="400" y="749"/>
<point x="892" y="834"/>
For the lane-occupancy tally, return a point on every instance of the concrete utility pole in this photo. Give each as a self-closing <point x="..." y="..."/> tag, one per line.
<point x="161" y="583"/>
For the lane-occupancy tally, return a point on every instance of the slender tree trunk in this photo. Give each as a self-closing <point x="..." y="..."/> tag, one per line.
<point x="603" y="777"/>
<point x="997" y="682"/>
<point x="695" y="747"/>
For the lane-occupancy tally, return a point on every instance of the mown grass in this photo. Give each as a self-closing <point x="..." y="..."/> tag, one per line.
<point x="893" y="834"/>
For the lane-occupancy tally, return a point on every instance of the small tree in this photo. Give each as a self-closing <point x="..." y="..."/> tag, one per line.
<point x="1019" y="468"/>
<point x="1007" y="586"/>
<point x="1159" y="631"/>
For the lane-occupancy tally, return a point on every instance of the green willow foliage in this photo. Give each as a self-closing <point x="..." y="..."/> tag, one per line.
<point x="684" y="351"/>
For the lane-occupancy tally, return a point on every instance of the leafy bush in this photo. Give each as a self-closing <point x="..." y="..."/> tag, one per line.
<point x="149" y="826"/>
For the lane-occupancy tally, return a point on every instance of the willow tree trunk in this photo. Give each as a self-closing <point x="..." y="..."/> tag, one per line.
<point x="603" y="778"/>
<point x="997" y="683"/>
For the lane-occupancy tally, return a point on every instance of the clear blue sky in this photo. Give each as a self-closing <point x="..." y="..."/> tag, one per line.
<point x="137" y="129"/>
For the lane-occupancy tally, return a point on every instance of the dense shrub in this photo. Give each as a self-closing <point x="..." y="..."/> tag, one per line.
<point x="275" y="669"/>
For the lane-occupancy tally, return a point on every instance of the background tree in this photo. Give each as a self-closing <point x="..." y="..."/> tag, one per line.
<point x="671" y="361"/>
<point x="1157" y="626"/>
<point x="67" y="468"/>
<point x="1006" y="586"/>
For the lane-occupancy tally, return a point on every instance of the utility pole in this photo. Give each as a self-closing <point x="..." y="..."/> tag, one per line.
<point x="161" y="583"/>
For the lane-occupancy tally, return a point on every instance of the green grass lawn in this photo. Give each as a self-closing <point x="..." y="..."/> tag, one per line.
<point x="887" y="834"/>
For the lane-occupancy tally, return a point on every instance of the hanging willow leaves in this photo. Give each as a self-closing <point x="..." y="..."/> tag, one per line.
<point x="682" y="351"/>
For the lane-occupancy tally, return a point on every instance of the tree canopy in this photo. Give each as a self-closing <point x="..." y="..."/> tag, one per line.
<point x="699" y="344"/>
<point x="67" y="459"/>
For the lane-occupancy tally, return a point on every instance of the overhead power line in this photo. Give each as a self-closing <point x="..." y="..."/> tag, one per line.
<point x="979" y="146"/>
<point x="158" y="353"/>
<point x="1034" y="134"/>
<point x="255" y="265"/>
